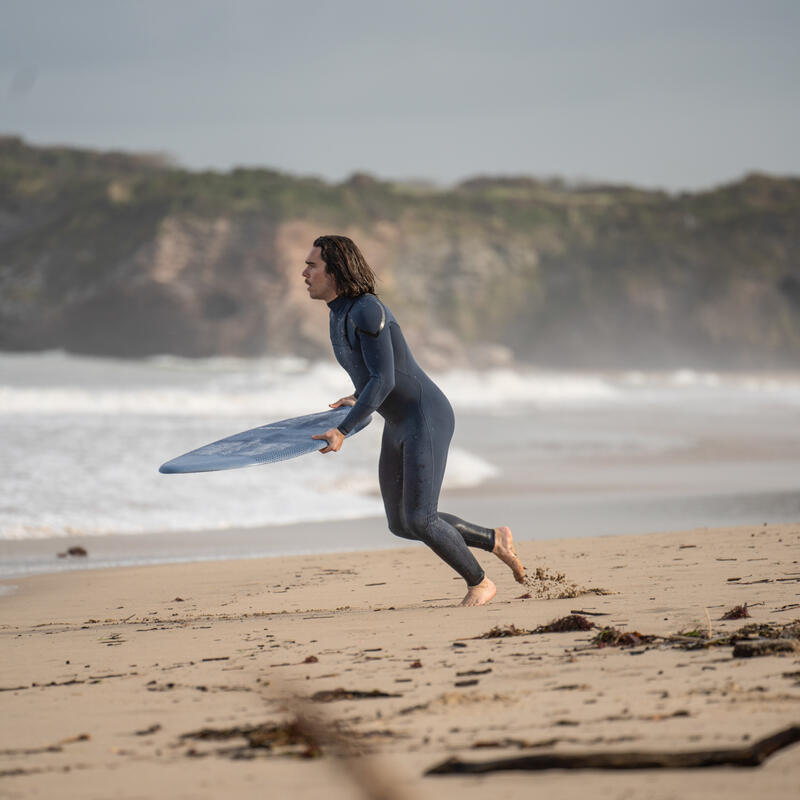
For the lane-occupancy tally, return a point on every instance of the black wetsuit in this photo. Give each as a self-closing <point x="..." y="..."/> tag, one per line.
<point x="419" y="423"/>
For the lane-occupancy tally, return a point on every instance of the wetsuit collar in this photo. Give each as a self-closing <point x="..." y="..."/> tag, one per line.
<point x="339" y="302"/>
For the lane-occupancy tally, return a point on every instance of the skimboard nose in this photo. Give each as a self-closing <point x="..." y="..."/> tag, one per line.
<point x="277" y="441"/>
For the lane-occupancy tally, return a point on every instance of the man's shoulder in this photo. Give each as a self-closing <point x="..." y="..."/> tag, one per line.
<point x="368" y="314"/>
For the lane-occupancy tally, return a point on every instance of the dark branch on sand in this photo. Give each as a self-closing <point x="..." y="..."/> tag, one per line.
<point x="752" y="755"/>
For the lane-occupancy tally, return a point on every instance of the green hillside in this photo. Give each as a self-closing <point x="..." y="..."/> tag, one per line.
<point x="128" y="255"/>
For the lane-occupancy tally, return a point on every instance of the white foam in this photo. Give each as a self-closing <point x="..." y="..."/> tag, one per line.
<point x="500" y="389"/>
<point x="293" y="387"/>
<point x="83" y="438"/>
<point x="97" y="475"/>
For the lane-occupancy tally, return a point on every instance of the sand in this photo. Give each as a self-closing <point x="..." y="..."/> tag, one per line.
<point x="104" y="673"/>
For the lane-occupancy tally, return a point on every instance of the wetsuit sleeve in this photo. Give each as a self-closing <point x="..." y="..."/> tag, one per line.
<point x="375" y="342"/>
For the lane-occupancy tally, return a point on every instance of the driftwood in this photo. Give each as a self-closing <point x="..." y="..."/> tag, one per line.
<point x="751" y="755"/>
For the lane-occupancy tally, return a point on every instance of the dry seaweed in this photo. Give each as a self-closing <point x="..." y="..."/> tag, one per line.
<point x="764" y="647"/>
<point x="284" y="738"/>
<point x="789" y="630"/>
<point x="737" y="612"/>
<point x="699" y="639"/>
<point x="331" y="695"/>
<point x="501" y="631"/>
<point x="572" y="622"/>
<point x="611" y="637"/>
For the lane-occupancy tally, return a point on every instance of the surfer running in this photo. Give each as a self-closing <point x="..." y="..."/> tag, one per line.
<point x="419" y="421"/>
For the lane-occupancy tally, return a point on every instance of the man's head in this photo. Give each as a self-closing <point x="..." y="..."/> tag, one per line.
<point x="335" y="266"/>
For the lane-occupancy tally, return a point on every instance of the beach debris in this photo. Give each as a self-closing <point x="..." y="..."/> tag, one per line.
<point x="570" y="687"/>
<point x="468" y="682"/>
<point x="280" y="738"/>
<point x="501" y="631"/>
<point x="751" y="755"/>
<point x="611" y="637"/>
<point x="793" y="676"/>
<point x="572" y="622"/>
<point x="155" y="686"/>
<point x="155" y="728"/>
<point x="473" y="672"/>
<point x="415" y="664"/>
<point x="787" y="607"/>
<point x="50" y="748"/>
<point x="697" y="638"/>
<point x="508" y="742"/>
<point x="310" y="660"/>
<point x="467" y="699"/>
<point x="590" y="613"/>
<point x="76" y="552"/>
<point x="737" y="612"/>
<point x="524" y="744"/>
<point x="764" y="630"/>
<point x="526" y="596"/>
<point x="764" y="647"/>
<point x="332" y="695"/>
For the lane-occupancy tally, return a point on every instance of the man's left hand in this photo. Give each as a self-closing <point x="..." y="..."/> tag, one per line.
<point x="334" y="437"/>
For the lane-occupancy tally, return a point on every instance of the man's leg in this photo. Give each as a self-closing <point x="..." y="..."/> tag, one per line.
<point x="495" y="540"/>
<point x="390" y="478"/>
<point x="422" y="478"/>
<point x="473" y="535"/>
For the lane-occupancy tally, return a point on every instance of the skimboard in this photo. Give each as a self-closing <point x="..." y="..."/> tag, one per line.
<point x="277" y="441"/>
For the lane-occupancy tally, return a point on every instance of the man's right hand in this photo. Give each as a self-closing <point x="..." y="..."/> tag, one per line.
<point x="350" y="400"/>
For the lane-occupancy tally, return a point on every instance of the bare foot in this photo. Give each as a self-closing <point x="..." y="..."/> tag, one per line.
<point x="504" y="550"/>
<point x="480" y="594"/>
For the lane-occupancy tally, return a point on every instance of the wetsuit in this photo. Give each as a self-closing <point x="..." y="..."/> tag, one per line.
<point x="419" y="423"/>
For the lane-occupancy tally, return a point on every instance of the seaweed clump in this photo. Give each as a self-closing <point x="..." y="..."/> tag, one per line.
<point x="501" y="631"/>
<point x="737" y="612"/>
<point x="611" y="637"/>
<point x="283" y="739"/>
<point x="572" y="622"/>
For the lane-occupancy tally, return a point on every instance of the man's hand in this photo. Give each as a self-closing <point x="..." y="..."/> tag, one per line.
<point x="350" y="400"/>
<point x="334" y="437"/>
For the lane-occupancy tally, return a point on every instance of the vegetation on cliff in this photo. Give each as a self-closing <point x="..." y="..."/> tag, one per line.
<point x="127" y="254"/>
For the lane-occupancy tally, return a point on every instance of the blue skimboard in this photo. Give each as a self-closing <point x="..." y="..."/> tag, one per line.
<point x="278" y="441"/>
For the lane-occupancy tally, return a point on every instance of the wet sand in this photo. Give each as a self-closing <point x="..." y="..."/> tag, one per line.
<point x="106" y="673"/>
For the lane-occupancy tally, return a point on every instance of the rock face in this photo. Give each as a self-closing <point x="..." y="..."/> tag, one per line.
<point x="123" y="255"/>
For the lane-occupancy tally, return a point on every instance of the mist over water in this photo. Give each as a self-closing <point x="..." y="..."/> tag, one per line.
<point x="84" y="437"/>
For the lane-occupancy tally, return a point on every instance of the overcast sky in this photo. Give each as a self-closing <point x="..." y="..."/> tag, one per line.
<point x="677" y="94"/>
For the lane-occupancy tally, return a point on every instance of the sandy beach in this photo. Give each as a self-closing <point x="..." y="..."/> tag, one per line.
<point x="110" y="677"/>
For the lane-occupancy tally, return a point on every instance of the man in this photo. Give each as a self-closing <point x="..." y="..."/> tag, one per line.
<point x="419" y="422"/>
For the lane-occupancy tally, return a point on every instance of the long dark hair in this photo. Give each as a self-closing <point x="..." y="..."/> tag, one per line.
<point x="348" y="266"/>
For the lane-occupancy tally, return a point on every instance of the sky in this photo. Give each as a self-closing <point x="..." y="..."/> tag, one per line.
<point x="677" y="94"/>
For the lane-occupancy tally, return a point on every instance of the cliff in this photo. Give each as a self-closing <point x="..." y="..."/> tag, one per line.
<point x="127" y="255"/>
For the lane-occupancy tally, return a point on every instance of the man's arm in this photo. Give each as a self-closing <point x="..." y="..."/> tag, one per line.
<point x="375" y="342"/>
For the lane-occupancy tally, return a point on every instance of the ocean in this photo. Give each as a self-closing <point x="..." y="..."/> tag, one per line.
<point x="568" y="453"/>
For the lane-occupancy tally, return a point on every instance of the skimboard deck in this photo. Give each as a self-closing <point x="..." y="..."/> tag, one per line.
<point x="277" y="441"/>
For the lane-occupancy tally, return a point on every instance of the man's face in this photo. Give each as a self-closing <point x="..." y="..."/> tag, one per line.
<point x="321" y="284"/>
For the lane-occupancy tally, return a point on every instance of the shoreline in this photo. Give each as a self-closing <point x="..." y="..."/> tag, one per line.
<point x="534" y="517"/>
<point x="109" y="673"/>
